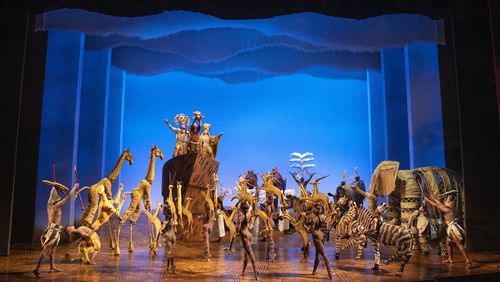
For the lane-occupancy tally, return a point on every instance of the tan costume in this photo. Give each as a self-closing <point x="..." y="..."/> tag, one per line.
<point x="51" y="235"/>
<point x="181" y="137"/>
<point x="209" y="143"/>
<point x="457" y="230"/>
<point x="142" y="191"/>
<point x="93" y="195"/>
<point x="88" y="246"/>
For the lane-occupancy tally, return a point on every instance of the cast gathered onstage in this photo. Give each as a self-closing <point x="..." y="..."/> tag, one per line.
<point x="416" y="202"/>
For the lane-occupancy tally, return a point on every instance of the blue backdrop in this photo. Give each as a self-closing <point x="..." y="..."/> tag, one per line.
<point x="352" y="92"/>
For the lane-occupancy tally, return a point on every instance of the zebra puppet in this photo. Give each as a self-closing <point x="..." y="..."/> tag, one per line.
<point x="343" y="228"/>
<point x="385" y="233"/>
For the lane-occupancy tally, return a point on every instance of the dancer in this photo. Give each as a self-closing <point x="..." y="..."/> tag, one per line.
<point x="316" y="225"/>
<point x="170" y="238"/>
<point x="140" y="192"/>
<point x="246" y="238"/>
<point x="51" y="236"/>
<point x="454" y="232"/>
<point x="270" y="250"/>
<point x="89" y="245"/>
<point x="208" y="225"/>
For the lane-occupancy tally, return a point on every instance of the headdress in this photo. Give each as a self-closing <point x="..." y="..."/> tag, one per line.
<point x="54" y="196"/>
<point x="181" y="118"/>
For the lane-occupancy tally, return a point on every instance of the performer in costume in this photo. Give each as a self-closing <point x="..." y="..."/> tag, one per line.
<point x="220" y="210"/>
<point x="339" y="194"/>
<point x="194" y="133"/>
<point x="246" y="237"/>
<point x="181" y="138"/>
<point x="208" y="225"/>
<point x="374" y="230"/>
<point x="89" y="245"/>
<point x="358" y="198"/>
<point x="208" y="142"/>
<point x="316" y="225"/>
<point x="267" y="207"/>
<point x="417" y="224"/>
<point x="454" y="232"/>
<point x="51" y="236"/>
<point x="168" y="232"/>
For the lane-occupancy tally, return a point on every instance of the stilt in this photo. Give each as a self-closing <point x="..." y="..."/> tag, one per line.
<point x="117" y="240"/>
<point x="130" y="243"/>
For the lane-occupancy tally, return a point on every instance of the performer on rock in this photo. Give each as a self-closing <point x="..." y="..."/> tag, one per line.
<point x="194" y="133"/>
<point x="209" y="143"/>
<point x="181" y="138"/>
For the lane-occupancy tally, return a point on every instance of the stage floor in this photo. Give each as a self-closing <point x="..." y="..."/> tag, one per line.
<point x="140" y="266"/>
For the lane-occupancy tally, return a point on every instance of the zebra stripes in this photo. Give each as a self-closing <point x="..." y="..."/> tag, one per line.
<point x="356" y="231"/>
<point x="388" y="234"/>
<point x="344" y="228"/>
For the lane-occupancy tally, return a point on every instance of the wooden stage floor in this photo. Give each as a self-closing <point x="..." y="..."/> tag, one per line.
<point x="140" y="266"/>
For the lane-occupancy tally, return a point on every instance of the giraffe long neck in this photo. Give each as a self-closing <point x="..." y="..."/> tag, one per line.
<point x="150" y="175"/>
<point x="157" y="210"/>
<point x="188" y="205"/>
<point x="113" y="175"/>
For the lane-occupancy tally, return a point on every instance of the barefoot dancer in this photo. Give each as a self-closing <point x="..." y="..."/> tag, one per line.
<point x="267" y="207"/>
<point x="454" y="233"/>
<point x="208" y="225"/>
<point x="51" y="236"/>
<point x="168" y="232"/>
<point x="89" y="245"/>
<point x="246" y="237"/>
<point x="316" y="225"/>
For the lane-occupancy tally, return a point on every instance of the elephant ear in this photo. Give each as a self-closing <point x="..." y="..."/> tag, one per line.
<point x="383" y="180"/>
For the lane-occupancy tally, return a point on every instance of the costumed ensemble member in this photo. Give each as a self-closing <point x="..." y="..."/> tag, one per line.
<point x="220" y="217"/>
<point x="208" y="225"/>
<point x="168" y="231"/>
<point x="181" y="137"/>
<point x="358" y="198"/>
<point x="246" y="237"/>
<point x="417" y="224"/>
<point x="454" y="232"/>
<point x="267" y="207"/>
<point x="209" y="143"/>
<point x="51" y="236"/>
<point x="194" y="133"/>
<point x="374" y="229"/>
<point x="89" y="245"/>
<point x="316" y="225"/>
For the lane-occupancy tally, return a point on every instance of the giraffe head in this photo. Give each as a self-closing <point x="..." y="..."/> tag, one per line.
<point x="128" y="156"/>
<point x="157" y="152"/>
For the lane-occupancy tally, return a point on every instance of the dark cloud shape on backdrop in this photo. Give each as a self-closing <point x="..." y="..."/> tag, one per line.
<point x="272" y="59"/>
<point x="368" y="34"/>
<point x="239" y="51"/>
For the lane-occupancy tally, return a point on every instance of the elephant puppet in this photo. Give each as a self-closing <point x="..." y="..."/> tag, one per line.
<point x="406" y="188"/>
